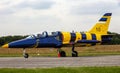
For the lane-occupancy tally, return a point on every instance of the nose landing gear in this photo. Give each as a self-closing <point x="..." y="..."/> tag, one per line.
<point x="26" y="55"/>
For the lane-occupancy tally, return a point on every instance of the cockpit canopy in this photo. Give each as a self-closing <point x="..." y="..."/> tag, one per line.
<point x="44" y="34"/>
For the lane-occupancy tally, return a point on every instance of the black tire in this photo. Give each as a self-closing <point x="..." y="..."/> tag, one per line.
<point x="62" y="54"/>
<point x="74" y="54"/>
<point x="26" y="55"/>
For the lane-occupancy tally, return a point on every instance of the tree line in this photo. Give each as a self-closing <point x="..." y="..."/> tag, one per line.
<point x="6" y="39"/>
<point x="115" y="39"/>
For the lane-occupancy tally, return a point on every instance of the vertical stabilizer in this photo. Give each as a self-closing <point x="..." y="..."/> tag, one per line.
<point x="101" y="27"/>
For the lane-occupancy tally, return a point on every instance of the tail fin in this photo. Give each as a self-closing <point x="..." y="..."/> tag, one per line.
<point x="102" y="26"/>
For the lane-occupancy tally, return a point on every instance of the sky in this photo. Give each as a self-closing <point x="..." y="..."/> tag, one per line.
<point x="24" y="17"/>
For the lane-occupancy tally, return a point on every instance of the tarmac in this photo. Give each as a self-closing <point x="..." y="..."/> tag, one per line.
<point x="49" y="62"/>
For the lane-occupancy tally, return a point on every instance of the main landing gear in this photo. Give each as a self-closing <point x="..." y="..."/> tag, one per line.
<point x="26" y="55"/>
<point x="63" y="54"/>
<point x="74" y="53"/>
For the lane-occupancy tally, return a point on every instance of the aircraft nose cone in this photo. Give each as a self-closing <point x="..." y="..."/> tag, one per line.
<point x="5" y="46"/>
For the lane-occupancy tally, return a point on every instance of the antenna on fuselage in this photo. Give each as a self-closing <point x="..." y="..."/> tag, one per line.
<point x="73" y="31"/>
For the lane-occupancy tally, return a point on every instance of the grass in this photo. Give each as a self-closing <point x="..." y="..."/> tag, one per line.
<point x="55" y="55"/>
<point x="46" y="52"/>
<point x="64" y="70"/>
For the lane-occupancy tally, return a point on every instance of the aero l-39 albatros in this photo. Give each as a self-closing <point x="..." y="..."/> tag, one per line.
<point x="97" y="35"/>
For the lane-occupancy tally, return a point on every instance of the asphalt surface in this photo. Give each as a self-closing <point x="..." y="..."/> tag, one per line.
<point x="48" y="62"/>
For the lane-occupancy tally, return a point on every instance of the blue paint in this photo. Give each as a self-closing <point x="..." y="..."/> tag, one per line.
<point x="24" y="43"/>
<point x="103" y="19"/>
<point x="49" y="42"/>
<point x="93" y="36"/>
<point x="108" y="14"/>
<point x="88" y="41"/>
<point x="73" y="37"/>
<point x="83" y="36"/>
<point x="106" y="38"/>
<point x="60" y="35"/>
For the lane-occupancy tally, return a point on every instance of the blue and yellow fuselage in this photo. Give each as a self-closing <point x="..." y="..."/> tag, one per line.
<point x="58" y="40"/>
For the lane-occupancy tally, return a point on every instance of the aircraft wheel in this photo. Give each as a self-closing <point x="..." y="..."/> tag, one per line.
<point x="74" y="54"/>
<point x="26" y="55"/>
<point x="63" y="54"/>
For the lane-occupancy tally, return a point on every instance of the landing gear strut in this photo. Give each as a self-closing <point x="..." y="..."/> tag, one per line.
<point x="74" y="53"/>
<point x="61" y="53"/>
<point x="26" y="55"/>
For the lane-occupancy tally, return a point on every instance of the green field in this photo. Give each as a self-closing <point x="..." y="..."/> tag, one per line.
<point x="47" y="52"/>
<point x="63" y="70"/>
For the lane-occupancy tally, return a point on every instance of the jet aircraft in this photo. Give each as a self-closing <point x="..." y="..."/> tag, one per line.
<point x="97" y="35"/>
